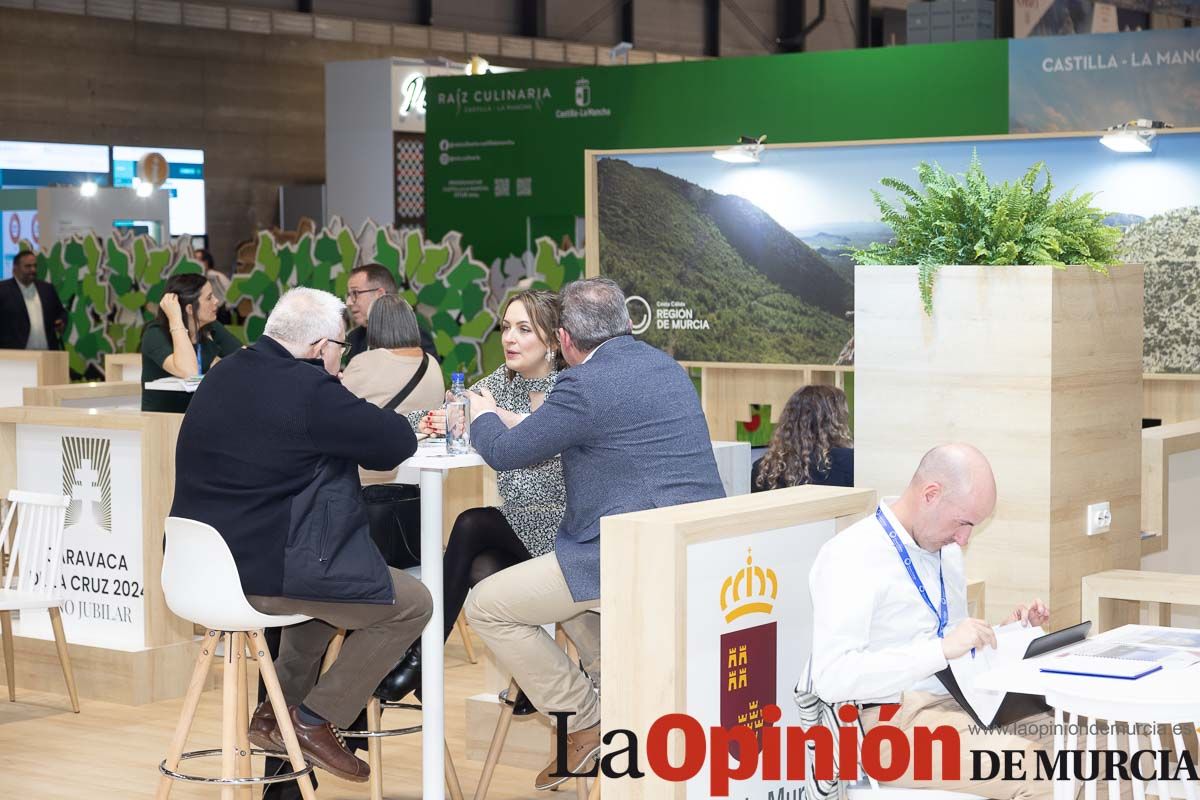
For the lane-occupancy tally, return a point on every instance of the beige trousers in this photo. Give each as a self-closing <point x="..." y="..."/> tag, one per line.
<point x="922" y="709"/>
<point x="508" y="611"/>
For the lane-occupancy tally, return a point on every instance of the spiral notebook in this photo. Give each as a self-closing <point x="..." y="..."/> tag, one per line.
<point x="1119" y="660"/>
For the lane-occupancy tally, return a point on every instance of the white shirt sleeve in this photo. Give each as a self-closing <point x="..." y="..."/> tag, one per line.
<point x="844" y="665"/>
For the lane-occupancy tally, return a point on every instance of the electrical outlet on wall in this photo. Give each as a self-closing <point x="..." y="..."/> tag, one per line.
<point x="1099" y="518"/>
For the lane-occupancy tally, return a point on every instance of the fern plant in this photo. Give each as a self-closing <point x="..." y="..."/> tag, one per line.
<point x="971" y="221"/>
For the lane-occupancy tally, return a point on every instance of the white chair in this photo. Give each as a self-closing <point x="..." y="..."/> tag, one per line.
<point x="201" y="584"/>
<point x="868" y="788"/>
<point x="35" y="560"/>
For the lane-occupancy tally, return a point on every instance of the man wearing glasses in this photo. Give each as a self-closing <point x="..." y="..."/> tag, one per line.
<point x="367" y="284"/>
<point x="268" y="454"/>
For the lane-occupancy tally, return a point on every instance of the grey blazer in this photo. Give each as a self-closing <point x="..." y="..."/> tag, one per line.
<point x="632" y="436"/>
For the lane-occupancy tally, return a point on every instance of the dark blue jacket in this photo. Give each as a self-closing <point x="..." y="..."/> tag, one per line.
<point x="267" y="455"/>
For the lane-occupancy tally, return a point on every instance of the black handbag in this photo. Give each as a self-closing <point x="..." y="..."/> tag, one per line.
<point x="394" y="509"/>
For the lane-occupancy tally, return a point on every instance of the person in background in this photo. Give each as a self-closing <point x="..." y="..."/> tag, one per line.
<point x="394" y="373"/>
<point x="889" y="598"/>
<point x="628" y="423"/>
<point x="484" y="541"/>
<point x="268" y="454"/>
<point x="367" y="284"/>
<point x="392" y="359"/>
<point x="811" y="443"/>
<point x="31" y="315"/>
<point x="220" y="286"/>
<point x="183" y="340"/>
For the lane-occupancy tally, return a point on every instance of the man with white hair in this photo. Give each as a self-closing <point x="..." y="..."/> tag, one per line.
<point x="268" y="454"/>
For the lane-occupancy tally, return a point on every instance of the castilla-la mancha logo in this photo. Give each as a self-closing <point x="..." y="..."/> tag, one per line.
<point x="583" y="93"/>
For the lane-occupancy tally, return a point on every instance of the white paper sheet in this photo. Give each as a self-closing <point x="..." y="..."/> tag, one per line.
<point x="1012" y="640"/>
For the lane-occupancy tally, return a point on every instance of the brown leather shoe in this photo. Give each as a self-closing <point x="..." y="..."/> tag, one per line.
<point x="264" y="729"/>
<point x="582" y="747"/>
<point x="324" y="747"/>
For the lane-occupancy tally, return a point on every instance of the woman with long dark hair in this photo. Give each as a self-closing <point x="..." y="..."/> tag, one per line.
<point x="183" y="340"/>
<point x="811" y="443"/>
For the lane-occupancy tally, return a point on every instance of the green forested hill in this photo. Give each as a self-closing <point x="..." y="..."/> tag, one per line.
<point x="658" y="241"/>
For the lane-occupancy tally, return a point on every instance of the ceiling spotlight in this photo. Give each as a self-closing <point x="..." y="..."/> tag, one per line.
<point x="88" y="189"/>
<point x="1135" y="136"/>
<point x="748" y="150"/>
<point x="144" y="189"/>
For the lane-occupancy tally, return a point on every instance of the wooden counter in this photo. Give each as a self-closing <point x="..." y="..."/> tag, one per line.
<point x="105" y="395"/>
<point x="125" y="643"/>
<point x="22" y="368"/>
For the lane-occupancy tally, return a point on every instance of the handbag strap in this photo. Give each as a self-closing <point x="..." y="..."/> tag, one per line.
<point x="408" y="387"/>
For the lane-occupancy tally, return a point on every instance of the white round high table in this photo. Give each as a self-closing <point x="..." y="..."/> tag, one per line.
<point x="1169" y="696"/>
<point x="433" y="463"/>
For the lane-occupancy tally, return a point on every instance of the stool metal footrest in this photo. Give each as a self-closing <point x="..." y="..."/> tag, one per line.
<point x="400" y="704"/>
<point x="380" y="734"/>
<point x="254" y="751"/>
<point x="353" y="734"/>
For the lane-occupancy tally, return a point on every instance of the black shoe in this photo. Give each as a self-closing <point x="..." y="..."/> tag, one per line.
<point x="522" y="707"/>
<point x="404" y="678"/>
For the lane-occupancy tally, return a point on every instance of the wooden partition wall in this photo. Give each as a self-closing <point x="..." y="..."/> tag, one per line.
<point x="686" y="589"/>
<point x="1039" y="368"/>
<point x="123" y="367"/>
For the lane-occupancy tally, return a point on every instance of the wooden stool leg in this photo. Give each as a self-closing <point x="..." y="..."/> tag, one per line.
<point x="243" y="718"/>
<point x="271" y="681"/>
<point x="190" y="701"/>
<point x="64" y="658"/>
<point x="452" y="776"/>
<point x="10" y="665"/>
<point x="594" y="794"/>
<point x="375" y="747"/>
<point x="334" y="649"/>
<point x="493" y="755"/>
<point x="465" y="633"/>
<point x="229" y="712"/>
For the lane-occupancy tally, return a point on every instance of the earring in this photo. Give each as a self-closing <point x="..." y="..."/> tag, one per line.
<point x="549" y="356"/>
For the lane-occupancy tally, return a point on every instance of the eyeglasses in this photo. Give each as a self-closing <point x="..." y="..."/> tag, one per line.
<point x="345" y="346"/>
<point x="352" y="295"/>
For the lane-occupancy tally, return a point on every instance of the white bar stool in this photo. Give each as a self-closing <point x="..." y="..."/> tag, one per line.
<point x="201" y="584"/>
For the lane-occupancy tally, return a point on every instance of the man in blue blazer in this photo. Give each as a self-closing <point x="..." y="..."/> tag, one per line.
<point x="627" y="421"/>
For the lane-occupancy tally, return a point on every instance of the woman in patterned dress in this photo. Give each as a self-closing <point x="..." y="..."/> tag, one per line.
<point x="486" y="540"/>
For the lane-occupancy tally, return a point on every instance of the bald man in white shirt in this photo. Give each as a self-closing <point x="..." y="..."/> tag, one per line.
<point x="881" y="632"/>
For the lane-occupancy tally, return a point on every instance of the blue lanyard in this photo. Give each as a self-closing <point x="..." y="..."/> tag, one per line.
<point x="199" y="362"/>
<point x="944" y="615"/>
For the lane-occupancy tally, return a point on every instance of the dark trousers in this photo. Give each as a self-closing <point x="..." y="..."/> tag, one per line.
<point x="377" y="635"/>
<point x="481" y="544"/>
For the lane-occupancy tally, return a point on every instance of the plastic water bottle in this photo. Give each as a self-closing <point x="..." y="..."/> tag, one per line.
<point x="458" y="417"/>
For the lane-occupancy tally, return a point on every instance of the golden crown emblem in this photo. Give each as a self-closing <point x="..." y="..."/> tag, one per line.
<point x="745" y="591"/>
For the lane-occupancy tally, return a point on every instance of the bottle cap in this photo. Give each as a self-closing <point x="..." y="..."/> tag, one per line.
<point x="457" y="376"/>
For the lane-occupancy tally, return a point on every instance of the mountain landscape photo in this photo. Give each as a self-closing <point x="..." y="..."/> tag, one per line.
<point x="724" y="281"/>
